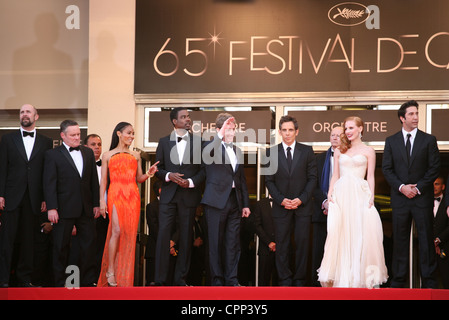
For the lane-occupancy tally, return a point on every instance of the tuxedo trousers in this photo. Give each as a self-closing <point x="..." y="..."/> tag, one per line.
<point x="174" y="217"/>
<point x="402" y="222"/>
<point x="283" y="227"/>
<point x="86" y="235"/>
<point x="224" y="241"/>
<point x="16" y="236"/>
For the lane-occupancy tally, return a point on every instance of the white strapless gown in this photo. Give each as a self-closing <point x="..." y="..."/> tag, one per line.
<point x="353" y="253"/>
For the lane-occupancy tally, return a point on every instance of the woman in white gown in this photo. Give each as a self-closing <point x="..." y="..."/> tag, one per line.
<point x="353" y="253"/>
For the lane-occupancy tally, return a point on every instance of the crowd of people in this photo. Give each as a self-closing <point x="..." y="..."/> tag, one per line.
<point x="74" y="205"/>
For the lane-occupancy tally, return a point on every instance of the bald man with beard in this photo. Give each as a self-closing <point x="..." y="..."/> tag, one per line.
<point x="21" y="194"/>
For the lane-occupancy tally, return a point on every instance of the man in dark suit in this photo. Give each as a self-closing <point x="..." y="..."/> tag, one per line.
<point x="411" y="163"/>
<point x="441" y="229"/>
<point x="325" y="165"/>
<point x="179" y="156"/>
<point x="21" y="196"/>
<point x="72" y="194"/>
<point x="152" y="215"/>
<point x="264" y="226"/>
<point x="291" y="187"/>
<point x="225" y="201"/>
<point x="94" y="142"/>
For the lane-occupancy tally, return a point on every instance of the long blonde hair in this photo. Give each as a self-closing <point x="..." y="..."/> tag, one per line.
<point x="345" y="144"/>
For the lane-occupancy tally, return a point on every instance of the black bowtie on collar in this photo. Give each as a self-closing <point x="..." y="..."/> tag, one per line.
<point x="27" y="133"/>
<point x="98" y="163"/>
<point x="74" y="148"/>
<point x="228" y="145"/>
<point x="182" y="138"/>
<point x="438" y="199"/>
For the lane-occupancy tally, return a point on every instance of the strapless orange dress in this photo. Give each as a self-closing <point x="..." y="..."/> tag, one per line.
<point x="123" y="194"/>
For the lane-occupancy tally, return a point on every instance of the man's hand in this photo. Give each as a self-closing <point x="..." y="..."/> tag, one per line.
<point x="409" y="190"/>
<point x="97" y="212"/>
<point x="225" y="126"/>
<point x="291" y="204"/>
<point x="176" y="177"/>
<point x="246" y="212"/>
<point x="53" y="216"/>
<point x="296" y="203"/>
<point x="2" y="203"/>
<point x="43" y="206"/>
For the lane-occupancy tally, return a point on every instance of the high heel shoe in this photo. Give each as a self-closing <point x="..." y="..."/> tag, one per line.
<point x="110" y="284"/>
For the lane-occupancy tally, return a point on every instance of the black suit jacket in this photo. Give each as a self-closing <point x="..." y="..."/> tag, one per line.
<point x="220" y="175"/>
<point x="318" y="195"/>
<point x="64" y="189"/>
<point x="167" y="155"/>
<point x="441" y="225"/>
<point x="299" y="183"/>
<point x="423" y="170"/>
<point x="17" y="173"/>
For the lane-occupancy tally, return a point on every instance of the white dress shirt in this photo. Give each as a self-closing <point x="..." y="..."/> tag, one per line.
<point x="412" y="137"/>
<point x="292" y="146"/>
<point x="77" y="158"/>
<point x="436" y="204"/>
<point x="28" y="142"/>
<point x="412" y="141"/>
<point x="181" y="148"/>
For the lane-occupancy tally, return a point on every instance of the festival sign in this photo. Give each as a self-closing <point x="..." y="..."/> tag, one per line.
<point x="290" y="46"/>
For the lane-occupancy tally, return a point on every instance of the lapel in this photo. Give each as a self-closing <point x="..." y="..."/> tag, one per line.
<point x="282" y="158"/>
<point x="85" y="162"/>
<point x="174" y="155"/>
<point x="68" y="157"/>
<point x="226" y="160"/>
<point x="37" y="146"/>
<point x="17" y="138"/>
<point x="188" y="150"/>
<point x="240" y="157"/>
<point x="419" y="139"/>
<point x="296" y="156"/>
<point x="401" y="146"/>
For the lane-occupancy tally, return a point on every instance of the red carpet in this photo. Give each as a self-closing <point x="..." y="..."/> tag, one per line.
<point x="221" y="293"/>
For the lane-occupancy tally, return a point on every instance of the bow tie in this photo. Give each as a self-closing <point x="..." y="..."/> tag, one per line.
<point x="27" y="133"/>
<point x="182" y="138"/>
<point x="438" y="199"/>
<point x="228" y="145"/>
<point x="98" y="163"/>
<point x="74" y="148"/>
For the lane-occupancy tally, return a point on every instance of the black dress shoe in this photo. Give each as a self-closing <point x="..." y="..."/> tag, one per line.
<point x="4" y="285"/>
<point x="93" y="284"/>
<point x="27" y="285"/>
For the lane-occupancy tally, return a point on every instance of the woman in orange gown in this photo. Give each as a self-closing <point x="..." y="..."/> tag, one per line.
<point x="123" y="167"/>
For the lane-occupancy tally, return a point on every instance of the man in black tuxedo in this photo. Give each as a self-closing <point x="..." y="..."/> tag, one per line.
<point x="264" y="226"/>
<point x="152" y="216"/>
<point x="441" y="229"/>
<point x="94" y="142"/>
<point x="325" y="165"/>
<point x="411" y="163"/>
<point x="72" y="194"/>
<point x="225" y="201"/>
<point x="291" y="187"/>
<point x="179" y="156"/>
<point x="21" y="195"/>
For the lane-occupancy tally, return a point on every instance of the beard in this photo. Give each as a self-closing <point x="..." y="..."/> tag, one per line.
<point x="26" y="123"/>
